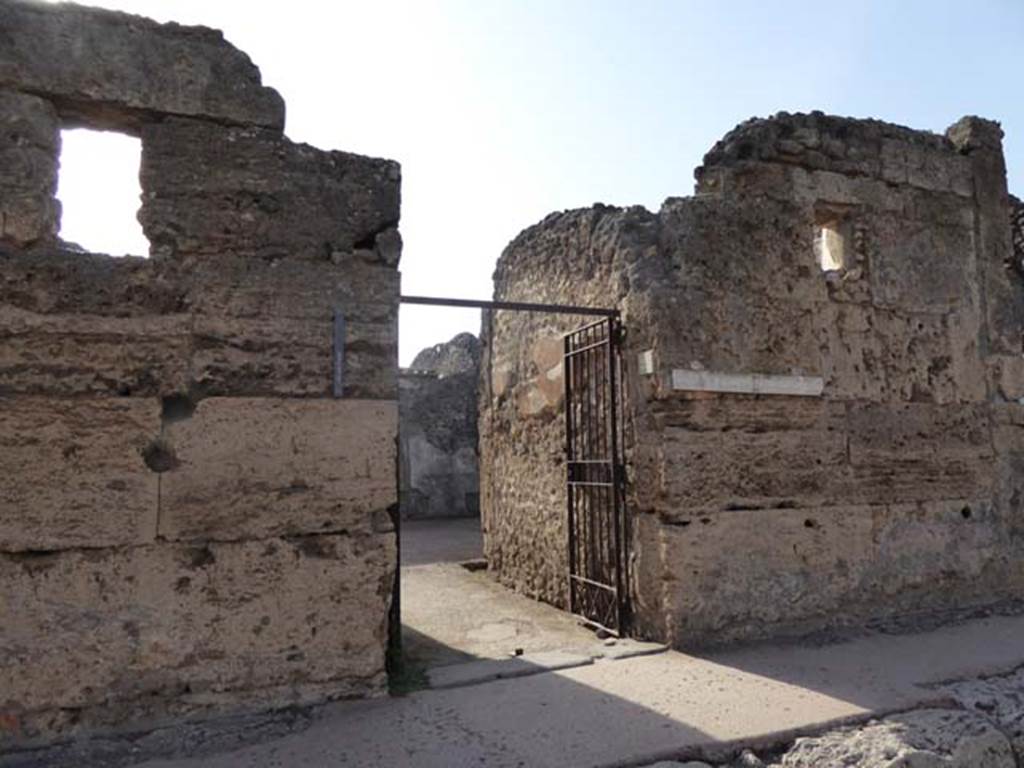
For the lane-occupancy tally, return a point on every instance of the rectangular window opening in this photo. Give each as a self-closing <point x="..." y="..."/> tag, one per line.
<point x="99" y="192"/>
<point x="829" y="247"/>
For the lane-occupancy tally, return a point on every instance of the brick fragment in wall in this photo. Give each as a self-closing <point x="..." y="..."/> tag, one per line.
<point x="177" y="628"/>
<point x="211" y="191"/>
<point x="249" y="468"/>
<point x="123" y="68"/>
<point x="29" y="149"/>
<point x="74" y="472"/>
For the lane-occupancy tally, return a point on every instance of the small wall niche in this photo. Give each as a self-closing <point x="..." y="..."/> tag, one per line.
<point x="99" y="192"/>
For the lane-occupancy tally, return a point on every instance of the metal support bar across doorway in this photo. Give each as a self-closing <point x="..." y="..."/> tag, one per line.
<point x="516" y="306"/>
<point x="595" y="479"/>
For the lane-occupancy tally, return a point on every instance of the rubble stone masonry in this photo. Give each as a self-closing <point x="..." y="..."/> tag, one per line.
<point x="190" y="520"/>
<point x="892" y="488"/>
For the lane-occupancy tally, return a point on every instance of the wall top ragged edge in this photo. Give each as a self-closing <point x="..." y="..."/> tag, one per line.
<point x="107" y="69"/>
<point x="851" y="146"/>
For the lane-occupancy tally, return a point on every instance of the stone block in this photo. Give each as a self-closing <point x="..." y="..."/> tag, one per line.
<point x="86" y="354"/>
<point x="921" y="266"/>
<point x="29" y="151"/>
<point x="998" y="697"/>
<point x="144" y="632"/>
<point x="966" y="342"/>
<point x="875" y="354"/>
<point x="212" y="191"/>
<point x="744" y="414"/>
<point x="123" y="68"/>
<point x="855" y="360"/>
<point x="918" y="452"/>
<point x="61" y="281"/>
<point x="795" y="564"/>
<point x="924" y="737"/>
<point x="256" y="467"/>
<point x="262" y="356"/>
<point x="74" y="474"/>
<point x="760" y="573"/>
<point x="931" y="358"/>
<point x="74" y="323"/>
<point x="923" y="543"/>
<point x="761" y="335"/>
<point x="267" y="329"/>
<point x="745" y="462"/>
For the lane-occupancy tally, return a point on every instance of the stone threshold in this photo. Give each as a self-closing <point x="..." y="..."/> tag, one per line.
<point x="538" y="662"/>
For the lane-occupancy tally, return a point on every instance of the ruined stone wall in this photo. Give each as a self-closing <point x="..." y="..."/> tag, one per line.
<point x="438" y="445"/>
<point x="1017" y="229"/>
<point x="592" y="257"/>
<point x="890" y="485"/>
<point x="189" y="519"/>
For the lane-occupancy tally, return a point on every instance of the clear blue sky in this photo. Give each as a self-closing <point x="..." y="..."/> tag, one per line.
<point x="501" y="112"/>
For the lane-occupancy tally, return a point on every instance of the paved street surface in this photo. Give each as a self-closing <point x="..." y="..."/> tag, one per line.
<point x="452" y="540"/>
<point x="452" y="615"/>
<point x="638" y="710"/>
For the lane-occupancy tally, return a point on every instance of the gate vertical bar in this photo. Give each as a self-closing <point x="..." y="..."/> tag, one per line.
<point x="613" y="360"/>
<point x="567" y="374"/>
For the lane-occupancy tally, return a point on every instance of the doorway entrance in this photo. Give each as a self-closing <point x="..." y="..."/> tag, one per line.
<point x="597" y="531"/>
<point x="596" y="542"/>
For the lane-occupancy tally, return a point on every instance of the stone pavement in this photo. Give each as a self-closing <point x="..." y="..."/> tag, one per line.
<point x="452" y="615"/>
<point x="451" y="540"/>
<point x="639" y="710"/>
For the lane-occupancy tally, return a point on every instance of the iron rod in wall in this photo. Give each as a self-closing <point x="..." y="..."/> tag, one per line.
<point x="519" y="306"/>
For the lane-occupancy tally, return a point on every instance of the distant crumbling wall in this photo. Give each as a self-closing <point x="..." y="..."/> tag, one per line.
<point x="189" y="518"/>
<point x="824" y="429"/>
<point x="438" y="454"/>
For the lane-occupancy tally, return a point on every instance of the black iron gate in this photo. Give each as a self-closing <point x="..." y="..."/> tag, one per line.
<point x="596" y="503"/>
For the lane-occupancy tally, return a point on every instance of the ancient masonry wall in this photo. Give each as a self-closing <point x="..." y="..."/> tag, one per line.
<point x="1017" y="226"/>
<point x="889" y="486"/>
<point x="189" y="519"/>
<point x="588" y="257"/>
<point x="438" y="453"/>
